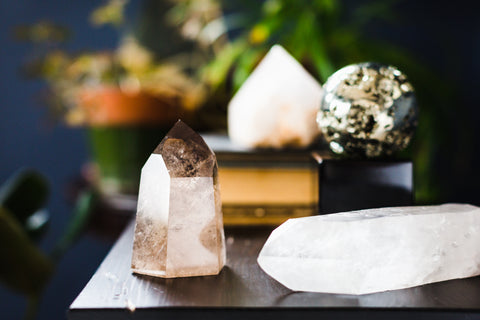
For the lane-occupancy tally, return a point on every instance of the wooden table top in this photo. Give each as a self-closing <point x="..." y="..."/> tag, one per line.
<point x="243" y="289"/>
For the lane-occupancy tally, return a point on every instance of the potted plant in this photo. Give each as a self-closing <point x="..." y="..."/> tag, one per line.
<point x="127" y="112"/>
<point x="126" y="98"/>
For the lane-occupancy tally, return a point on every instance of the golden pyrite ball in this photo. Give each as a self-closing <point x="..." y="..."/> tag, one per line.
<point x="367" y="110"/>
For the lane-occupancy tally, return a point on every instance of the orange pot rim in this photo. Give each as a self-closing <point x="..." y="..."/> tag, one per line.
<point x="111" y="106"/>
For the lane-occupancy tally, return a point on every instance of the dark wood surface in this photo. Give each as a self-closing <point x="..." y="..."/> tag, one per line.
<point x="243" y="289"/>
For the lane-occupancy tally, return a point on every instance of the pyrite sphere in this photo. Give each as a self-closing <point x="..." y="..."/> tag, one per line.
<point x="367" y="110"/>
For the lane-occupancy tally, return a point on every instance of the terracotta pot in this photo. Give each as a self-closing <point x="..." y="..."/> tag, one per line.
<point x="110" y="106"/>
<point x="123" y="130"/>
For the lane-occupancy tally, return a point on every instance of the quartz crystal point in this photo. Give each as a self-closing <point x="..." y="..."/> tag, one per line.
<point x="179" y="226"/>
<point x="276" y="106"/>
<point x="375" y="250"/>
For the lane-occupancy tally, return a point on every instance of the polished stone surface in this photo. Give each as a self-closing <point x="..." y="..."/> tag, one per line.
<point x="368" y="110"/>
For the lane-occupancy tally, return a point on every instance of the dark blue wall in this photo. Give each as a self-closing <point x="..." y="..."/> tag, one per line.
<point x="28" y="139"/>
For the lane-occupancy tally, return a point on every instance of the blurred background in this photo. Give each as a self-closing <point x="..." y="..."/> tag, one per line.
<point x="62" y="61"/>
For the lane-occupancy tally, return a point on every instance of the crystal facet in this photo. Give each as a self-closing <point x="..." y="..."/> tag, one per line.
<point x="179" y="226"/>
<point x="276" y="106"/>
<point x="375" y="250"/>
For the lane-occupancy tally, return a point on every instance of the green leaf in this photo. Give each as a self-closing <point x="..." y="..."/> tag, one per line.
<point x="24" y="268"/>
<point x="245" y="65"/>
<point x="112" y="12"/>
<point x="216" y="73"/>
<point x="24" y="195"/>
<point x="79" y="220"/>
<point x="42" y="32"/>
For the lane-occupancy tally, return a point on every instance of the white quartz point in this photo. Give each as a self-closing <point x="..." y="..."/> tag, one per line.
<point x="375" y="250"/>
<point x="276" y="106"/>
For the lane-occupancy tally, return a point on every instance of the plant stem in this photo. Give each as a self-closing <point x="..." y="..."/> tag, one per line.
<point x="76" y="225"/>
<point x="33" y="302"/>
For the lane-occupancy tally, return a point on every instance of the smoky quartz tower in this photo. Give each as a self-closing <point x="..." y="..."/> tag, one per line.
<point x="179" y="224"/>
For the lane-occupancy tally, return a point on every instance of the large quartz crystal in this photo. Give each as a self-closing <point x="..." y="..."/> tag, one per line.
<point x="375" y="250"/>
<point x="179" y="226"/>
<point x="276" y="106"/>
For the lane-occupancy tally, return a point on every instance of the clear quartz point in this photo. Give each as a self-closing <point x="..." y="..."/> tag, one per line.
<point x="375" y="250"/>
<point x="179" y="224"/>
